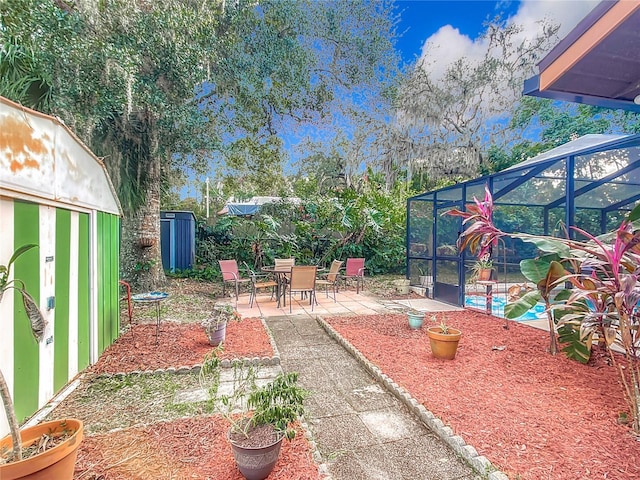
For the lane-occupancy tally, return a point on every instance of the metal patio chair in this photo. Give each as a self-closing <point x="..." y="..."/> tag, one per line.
<point x="330" y="279"/>
<point x="230" y="274"/>
<point x="355" y="269"/>
<point x="303" y="279"/>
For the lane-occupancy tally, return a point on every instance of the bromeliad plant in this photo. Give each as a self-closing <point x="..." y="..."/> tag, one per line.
<point x="603" y="273"/>
<point x="38" y="325"/>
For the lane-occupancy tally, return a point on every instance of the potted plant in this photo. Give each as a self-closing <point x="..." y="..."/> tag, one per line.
<point x="424" y="279"/>
<point x="260" y="417"/>
<point x="47" y="450"/>
<point x="216" y="325"/>
<point x="443" y="339"/>
<point x="481" y="269"/>
<point x="415" y="319"/>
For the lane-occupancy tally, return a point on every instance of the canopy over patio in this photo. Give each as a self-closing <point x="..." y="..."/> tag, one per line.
<point x="598" y="62"/>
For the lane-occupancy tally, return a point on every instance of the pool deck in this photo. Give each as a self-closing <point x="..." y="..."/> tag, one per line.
<point x="348" y="302"/>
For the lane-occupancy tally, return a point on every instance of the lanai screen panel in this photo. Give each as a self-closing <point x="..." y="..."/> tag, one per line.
<point x="590" y="183"/>
<point x="420" y="240"/>
<point x="620" y="168"/>
<point x="538" y="186"/>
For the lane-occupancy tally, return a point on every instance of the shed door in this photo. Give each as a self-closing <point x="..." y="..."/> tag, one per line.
<point x="166" y="246"/>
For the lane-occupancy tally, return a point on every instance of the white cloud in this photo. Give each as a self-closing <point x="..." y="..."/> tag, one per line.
<point x="565" y="12"/>
<point x="448" y="44"/>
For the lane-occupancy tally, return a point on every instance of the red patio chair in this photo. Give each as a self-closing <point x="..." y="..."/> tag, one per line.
<point x="355" y="269"/>
<point x="230" y="273"/>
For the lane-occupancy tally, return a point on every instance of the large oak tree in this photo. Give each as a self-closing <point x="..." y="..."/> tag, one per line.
<point x="157" y="88"/>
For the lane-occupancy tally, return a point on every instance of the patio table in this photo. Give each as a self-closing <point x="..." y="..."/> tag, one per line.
<point x="281" y="275"/>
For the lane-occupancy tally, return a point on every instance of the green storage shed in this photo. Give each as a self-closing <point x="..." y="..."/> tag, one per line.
<point x="54" y="192"/>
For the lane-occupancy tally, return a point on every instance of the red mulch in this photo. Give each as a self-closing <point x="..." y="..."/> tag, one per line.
<point x="191" y="448"/>
<point x="180" y="344"/>
<point x="534" y="416"/>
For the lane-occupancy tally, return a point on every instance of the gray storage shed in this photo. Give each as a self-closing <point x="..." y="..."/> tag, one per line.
<point x="177" y="239"/>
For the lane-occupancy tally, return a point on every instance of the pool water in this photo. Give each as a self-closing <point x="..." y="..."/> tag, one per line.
<point x="497" y="307"/>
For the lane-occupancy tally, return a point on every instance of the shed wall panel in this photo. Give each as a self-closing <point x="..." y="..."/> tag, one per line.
<point x="108" y="277"/>
<point x="7" y="304"/>
<point x="47" y="262"/>
<point x="26" y="350"/>
<point x="73" y="352"/>
<point x="84" y="340"/>
<point x="63" y="299"/>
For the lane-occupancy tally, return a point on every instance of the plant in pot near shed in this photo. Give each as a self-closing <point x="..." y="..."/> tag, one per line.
<point x="443" y="339"/>
<point x="216" y="325"/>
<point x="48" y="450"/>
<point x="260" y="417"/>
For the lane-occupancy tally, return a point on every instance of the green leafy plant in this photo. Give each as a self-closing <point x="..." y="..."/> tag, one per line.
<point x="278" y="403"/>
<point x="603" y="273"/>
<point x="38" y="325"/>
<point x="480" y="265"/>
<point x="442" y="324"/>
<point x="144" y="266"/>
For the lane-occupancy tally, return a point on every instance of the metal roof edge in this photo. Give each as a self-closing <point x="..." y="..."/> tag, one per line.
<point x="60" y="123"/>
<point x="585" y="24"/>
<point x="608" y="144"/>
<point x="534" y="91"/>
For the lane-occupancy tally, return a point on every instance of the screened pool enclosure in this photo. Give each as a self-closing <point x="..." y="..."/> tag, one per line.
<point x="590" y="183"/>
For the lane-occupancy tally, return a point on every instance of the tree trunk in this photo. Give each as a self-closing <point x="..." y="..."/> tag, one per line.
<point x="11" y="418"/>
<point x="140" y="256"/>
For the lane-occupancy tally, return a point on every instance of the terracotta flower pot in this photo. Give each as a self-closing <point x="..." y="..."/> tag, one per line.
<point x="56" y="463"/>
<point x="444" y="345"/>
<point x="256" y="463"/>
<point x="484" y="274"/>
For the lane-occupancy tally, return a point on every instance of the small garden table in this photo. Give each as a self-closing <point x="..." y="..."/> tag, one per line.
<point x="152" y="298"/>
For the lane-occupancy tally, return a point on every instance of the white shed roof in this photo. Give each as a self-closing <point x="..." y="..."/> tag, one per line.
<point x="41" y="157"/>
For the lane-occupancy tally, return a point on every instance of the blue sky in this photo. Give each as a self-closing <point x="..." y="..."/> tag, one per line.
<point x="421" y="18"/>
<point x="454" y="26"/>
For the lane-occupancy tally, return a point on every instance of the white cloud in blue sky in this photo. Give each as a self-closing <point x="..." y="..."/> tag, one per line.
<point x="448" y="44"/>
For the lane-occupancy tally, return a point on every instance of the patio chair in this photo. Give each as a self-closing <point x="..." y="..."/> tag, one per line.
<point x="284" y="263"/>
<point x="282" y="270"/>
<point x="331" y="278"/>
<point x="259" y="281"/>
<point x="303" y="279"/>
<point x="355" y="269"/>
<point x="230" y="273"/>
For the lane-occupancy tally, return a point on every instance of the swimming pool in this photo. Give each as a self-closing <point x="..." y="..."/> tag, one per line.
<point x="497" y="307"/>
